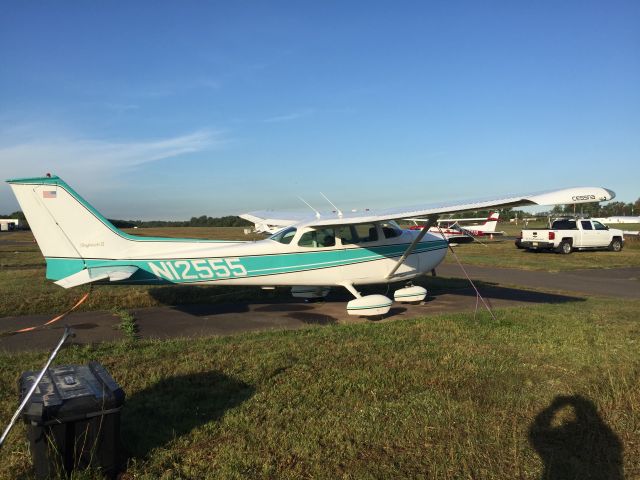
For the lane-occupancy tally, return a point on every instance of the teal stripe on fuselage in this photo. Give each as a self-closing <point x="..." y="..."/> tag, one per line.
<point x="254" y="265"/>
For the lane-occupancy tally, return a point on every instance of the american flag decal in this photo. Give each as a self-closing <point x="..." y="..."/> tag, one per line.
<point x="49" y="194"/>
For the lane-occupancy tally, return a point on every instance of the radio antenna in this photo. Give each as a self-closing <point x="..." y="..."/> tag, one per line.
<point x="336" y="208"/>
<point x="307" y="204"/>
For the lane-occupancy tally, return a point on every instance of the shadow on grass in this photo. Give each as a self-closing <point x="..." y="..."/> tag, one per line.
<point x="574" y="442"/>
<point x="174" y="406"/>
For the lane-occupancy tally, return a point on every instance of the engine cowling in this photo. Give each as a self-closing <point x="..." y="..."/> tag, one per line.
<point x="370" y="305"/>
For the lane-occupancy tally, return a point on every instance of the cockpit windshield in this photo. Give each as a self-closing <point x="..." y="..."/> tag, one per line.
<point x="391" y="229"/>
<point x="285" y="235"/>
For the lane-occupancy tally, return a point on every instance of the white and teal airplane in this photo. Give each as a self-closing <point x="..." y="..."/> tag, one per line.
<point x="315" y="252"/>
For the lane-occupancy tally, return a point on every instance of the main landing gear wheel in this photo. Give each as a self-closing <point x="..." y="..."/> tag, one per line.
<point x="410" y="294"/>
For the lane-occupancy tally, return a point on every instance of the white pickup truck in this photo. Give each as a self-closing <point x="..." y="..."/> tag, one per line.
<point x="567" y="235"/>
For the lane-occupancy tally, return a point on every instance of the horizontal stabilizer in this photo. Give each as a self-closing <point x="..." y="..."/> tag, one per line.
<point x="94" y="274"/>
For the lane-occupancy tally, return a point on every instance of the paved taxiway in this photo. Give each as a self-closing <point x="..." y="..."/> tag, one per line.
<point x="501" y="287"/>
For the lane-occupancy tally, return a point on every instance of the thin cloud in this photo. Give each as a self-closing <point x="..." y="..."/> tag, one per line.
<point x="97" y="156"/>
<point x="290" y="116"/>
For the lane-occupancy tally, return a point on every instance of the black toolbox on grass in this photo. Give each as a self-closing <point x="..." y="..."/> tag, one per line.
<point x="73" y="420"/>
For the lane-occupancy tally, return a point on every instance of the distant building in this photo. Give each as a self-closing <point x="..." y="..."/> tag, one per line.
<point x="620" y="219"/>
<point x="7" y="224"/>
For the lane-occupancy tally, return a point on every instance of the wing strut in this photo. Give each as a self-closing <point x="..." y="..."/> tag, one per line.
<point x="431" y="220"/>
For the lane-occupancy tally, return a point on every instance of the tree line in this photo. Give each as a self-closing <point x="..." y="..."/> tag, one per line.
<point x="594" y="209"/>
<point x="201" y="221"/>
<point x="610" y="209"/>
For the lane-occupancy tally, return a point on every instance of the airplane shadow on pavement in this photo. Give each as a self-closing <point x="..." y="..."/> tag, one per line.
<point x="574" y="442"/>
<point x="519" y="295"/>
<point x="174" y="406"/>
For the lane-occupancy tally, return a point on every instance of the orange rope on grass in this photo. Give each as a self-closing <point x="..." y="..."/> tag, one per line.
<point x="55" y="319"/>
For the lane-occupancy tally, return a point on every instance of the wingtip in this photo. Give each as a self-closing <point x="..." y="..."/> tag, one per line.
<point x="611" y="194"/>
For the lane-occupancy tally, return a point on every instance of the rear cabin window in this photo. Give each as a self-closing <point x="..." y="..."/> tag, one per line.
<point x="367" y="232"/>
<point x="564" y="225"/>
<point x="586" y="225"/>
<point x="321" y="238"/>
<point x="284" y="236"/>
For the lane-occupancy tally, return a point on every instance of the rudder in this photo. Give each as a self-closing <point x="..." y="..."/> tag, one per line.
<point x="63" y="223"/>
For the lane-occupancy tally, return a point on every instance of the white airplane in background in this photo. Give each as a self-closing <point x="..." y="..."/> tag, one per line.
<point x="619" y="219"/>
<point x="356" y="248"/>
<point x="266" y="225"/>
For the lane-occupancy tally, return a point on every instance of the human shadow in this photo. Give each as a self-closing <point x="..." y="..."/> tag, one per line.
<point x="174" y="406"/>
<point x="574" y="442"/>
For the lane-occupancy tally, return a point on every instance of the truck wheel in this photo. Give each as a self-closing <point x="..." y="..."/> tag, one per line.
<point x="615" y="245"/>
<point x="565" y="247"/>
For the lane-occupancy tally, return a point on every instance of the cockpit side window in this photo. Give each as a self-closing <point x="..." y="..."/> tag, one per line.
<point x="347" y="234"/>
<point x="320" y="238"/>
<point x="391" y="230"/>
<point x="284" y="236"/>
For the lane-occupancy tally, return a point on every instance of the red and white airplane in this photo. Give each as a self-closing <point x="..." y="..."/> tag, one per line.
<point x="457" y="233"/>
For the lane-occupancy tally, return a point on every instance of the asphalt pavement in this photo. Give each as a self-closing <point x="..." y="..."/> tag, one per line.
<point x="500" y="287"/>
<point x="614" y="282"/>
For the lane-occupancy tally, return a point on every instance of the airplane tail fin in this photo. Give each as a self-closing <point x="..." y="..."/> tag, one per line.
<point x="491" y="222"/>
<point x="66" y="228"/>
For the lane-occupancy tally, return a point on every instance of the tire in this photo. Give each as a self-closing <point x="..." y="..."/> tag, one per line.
<point x="615" y="245"/>
<point x="565" y="247"/>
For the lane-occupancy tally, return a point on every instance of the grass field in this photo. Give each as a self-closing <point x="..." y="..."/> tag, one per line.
<point x="24" y="289"/>
<point x="550" y="391"/>
<point x="503" y="253"/>
<point x="545" y="392"/>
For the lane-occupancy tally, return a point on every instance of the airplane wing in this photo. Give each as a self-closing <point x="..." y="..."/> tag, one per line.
<point x="551" y="197"/>
<point x="269" y="222"/>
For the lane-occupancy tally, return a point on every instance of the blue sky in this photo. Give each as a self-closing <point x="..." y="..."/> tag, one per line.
<point x="174" y="109"/>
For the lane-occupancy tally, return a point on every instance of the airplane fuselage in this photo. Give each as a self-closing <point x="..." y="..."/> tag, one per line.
<point x="264" y="263"/>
